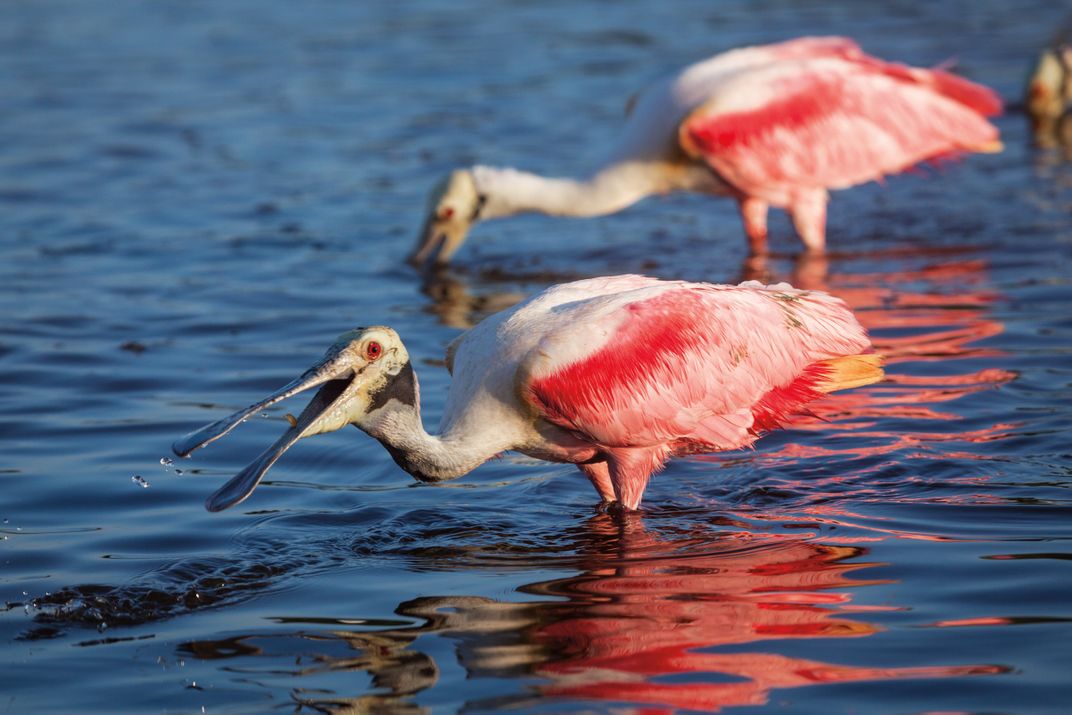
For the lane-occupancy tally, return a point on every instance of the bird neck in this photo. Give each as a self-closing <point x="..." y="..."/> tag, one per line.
<point x="507" y="192"/>
<point x="429" y="458"/>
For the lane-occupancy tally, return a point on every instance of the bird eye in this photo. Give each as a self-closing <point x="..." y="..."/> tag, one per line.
<point x="445" y="213"/>
<point x="373" y="351"/>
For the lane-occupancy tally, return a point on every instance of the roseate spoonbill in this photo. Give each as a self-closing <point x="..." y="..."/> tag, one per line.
<point x="772" y="125"/>
<point x="1049" y="96"/>
<point x="614" y="375"/>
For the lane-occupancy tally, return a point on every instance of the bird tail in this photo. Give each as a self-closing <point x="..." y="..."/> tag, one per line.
<point x="842" y="373"/>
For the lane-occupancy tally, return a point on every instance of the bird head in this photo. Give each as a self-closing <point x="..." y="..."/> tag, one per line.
<point x="1049" y="89"/>
<point x="361" y="376"/>
<point x="452" y="209"/>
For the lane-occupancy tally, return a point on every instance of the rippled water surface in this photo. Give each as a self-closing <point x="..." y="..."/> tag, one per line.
<point x="196" y="197"/>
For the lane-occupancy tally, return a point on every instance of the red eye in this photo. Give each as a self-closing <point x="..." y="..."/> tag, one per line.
<point x="373" y="351"/>
<point x="445" y="213"/>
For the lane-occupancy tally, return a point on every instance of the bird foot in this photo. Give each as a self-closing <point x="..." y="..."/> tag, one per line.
<point x="608" y="506"/>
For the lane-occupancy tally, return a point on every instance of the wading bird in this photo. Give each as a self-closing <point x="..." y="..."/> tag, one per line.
<point x="1048" y="98"/>
<point x="773" y="125"/>
<point x="615" y="375"/>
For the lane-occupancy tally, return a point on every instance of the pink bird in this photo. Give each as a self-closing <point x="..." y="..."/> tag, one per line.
<point x="773" y="125"/>
<point x="615" y="375"/>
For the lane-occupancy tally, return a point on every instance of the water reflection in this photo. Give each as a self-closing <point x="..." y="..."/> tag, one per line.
<point x="934" y="313"/>
<point x="456" y="304"/>
<point x="675" y="621"/>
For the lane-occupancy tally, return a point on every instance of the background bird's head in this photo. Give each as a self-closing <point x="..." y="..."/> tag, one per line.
<point x="1049" y="89"/>
<point x="452" y="209"/>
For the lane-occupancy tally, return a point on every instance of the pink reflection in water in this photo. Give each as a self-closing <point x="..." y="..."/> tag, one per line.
<point x="946" y="308"/>
<point x="641" y="630"/>
<point x="660" y="622"/>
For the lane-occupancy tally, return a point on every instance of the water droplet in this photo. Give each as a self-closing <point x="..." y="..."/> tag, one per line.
<point x="6" y="520"/>
<point x="140" y="481"/>
<point x="166" y="462"/>
<point x="178" y="471"/>
<point x="265" y="415"/>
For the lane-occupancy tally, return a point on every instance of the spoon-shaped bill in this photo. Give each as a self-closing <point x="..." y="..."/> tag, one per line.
<point x="242" y="484"/>
<point x="327" y="369"/>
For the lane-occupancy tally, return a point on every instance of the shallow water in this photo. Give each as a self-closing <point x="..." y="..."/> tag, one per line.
<point x="196" y="198"/>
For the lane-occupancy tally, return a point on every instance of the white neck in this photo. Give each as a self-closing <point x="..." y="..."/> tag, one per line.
<point x="427" y="457"/>
<point x="509" y="191"/>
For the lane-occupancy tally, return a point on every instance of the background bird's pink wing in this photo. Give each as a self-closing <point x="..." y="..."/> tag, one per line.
<point x="684" y="365"/>
<point x="747" y="58"/>
<point x="835" y="121"/>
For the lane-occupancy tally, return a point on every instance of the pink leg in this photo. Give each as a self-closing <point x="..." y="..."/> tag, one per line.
<point x="630" y="470"/>
<point x="599" y="475"/>
<point x="754" y="216"/>
<point x="808" y="211"/>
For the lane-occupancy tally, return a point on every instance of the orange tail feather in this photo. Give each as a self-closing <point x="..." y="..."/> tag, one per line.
<point x="842" y="373"/>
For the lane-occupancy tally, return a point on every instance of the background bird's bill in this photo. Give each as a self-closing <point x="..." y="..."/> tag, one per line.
<point x="333" y="372"/>
<point x="438" y="240"/>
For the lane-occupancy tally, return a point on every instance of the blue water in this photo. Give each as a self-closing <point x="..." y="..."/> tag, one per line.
<point x="196" y="197"/>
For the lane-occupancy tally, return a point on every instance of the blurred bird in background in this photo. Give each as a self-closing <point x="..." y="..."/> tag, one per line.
<point x="772" y="125"/>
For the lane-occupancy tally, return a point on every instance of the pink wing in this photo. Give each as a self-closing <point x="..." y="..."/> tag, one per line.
<point x="834" y="120"/>
<point x="685" y="366"/>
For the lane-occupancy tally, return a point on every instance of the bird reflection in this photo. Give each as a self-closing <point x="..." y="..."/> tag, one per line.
<point x="455" y="304"/>
<point x="670" y="621"/>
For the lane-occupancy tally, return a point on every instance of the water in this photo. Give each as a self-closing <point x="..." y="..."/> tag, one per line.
<point x="196" y="197"/>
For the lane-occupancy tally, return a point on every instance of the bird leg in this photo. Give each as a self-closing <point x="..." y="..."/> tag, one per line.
<point x="754" y="215"/>
<point x="808" y="212"/>
<point x="599" y="474"/>
<point x="630" y="469"/>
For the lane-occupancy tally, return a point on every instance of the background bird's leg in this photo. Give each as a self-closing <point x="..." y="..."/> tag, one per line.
<point x="630" y="469"/>
<point x="754" y="216"/>
<point x="808" y="212"/>
<point x="599" y="474"/>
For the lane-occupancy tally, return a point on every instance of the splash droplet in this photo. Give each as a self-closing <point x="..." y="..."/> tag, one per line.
<point x="178" y="471"/>
<point x="166" y="462"/>
<point x="140" y="481"/>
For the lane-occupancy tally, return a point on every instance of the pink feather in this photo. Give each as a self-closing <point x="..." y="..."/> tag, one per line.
<point x="827" y="116"/>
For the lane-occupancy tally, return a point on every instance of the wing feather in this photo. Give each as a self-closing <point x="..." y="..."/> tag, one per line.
<point x="682" y="364"/>
<point x="834" y="121"/>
